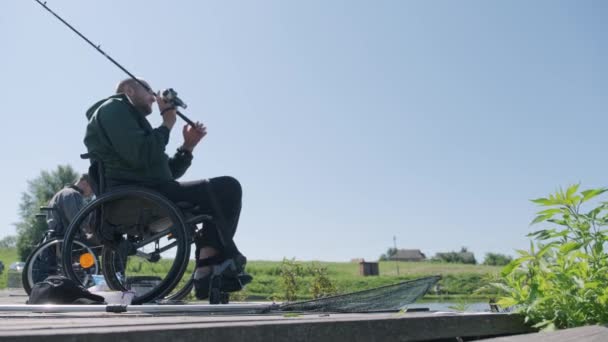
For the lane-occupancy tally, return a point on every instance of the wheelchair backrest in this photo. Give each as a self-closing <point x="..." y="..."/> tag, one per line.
<point x="125" y="213"/>
<point x="96" y="173"/>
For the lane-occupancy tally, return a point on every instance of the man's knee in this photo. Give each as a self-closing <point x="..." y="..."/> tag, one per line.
<point x="229" y="186"/>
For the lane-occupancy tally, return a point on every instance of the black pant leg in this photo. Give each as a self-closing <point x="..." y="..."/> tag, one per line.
<point x="221" y="197"/>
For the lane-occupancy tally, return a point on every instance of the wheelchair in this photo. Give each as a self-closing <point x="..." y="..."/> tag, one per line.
<point x="146" y="241"/>
<point x="45" y="259"/>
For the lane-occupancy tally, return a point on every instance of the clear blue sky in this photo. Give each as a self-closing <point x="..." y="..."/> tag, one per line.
<point x="347" y="122"/>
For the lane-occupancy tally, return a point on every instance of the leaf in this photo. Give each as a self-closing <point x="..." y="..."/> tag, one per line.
<point x="551" y="211"/>
<point x="542" y="324"/>
<point x="513" y="265"/>
<point x="549" y="328"/>
<point x="572" y="190"/>
<point x="589" y="194"/>
<point x="540" y="234"/>
<point x="593" y="213"/>
<point x="502" y="286"/>
<point x="592" y="285"/>
<point x="560" y="222"/>
<point x="507" y="302"/>
<point x="569" y="246"/>
<point x="541" y="218"/>
<point x="545" y="249"/>
<point x="543" y="201"/>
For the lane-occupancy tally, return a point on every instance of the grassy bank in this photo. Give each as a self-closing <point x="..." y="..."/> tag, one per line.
<point x="459" y="280"/>
<point x="7" y="256"/>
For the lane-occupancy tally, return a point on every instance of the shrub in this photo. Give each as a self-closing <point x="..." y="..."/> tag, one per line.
<point x="496" y="259"/>
<point x="561" y="281"/>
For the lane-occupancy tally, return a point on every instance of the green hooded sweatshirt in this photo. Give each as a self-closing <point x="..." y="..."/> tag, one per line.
<point x="130" y="149"/>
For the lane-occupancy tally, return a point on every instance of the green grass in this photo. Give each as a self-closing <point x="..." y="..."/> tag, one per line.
<point x="7" y="256"/>
<point x="458" y="280"/>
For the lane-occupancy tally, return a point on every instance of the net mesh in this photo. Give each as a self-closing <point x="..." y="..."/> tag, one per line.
<point x="385" y="298"/>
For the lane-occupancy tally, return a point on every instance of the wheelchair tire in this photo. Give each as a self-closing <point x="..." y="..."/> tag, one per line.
<point x="37" y="266"/>
<point x="183" y="292"/>
<point x="113" y="257"/>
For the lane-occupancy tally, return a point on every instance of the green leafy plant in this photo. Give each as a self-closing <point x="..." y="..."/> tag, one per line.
<point x="561" y="281"/>
<point x="321" y="285"/>
<point x="291" y="272"/>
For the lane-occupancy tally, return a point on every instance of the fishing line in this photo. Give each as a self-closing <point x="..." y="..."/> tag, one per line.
<point x="168" y="95"/>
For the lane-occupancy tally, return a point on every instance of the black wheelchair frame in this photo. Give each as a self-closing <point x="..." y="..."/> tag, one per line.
<point x="184" y="220"/>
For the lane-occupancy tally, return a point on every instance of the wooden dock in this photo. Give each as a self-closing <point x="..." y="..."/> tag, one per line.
<point x="134" y="326"/>
<point x="274" y="326"/>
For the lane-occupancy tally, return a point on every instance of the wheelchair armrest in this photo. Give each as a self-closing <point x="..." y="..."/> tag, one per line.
<point x="46" y="208"/>
<point x="85" y="156"/>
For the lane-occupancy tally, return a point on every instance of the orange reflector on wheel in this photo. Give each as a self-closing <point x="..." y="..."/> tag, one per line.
<point x="87" y="260"/>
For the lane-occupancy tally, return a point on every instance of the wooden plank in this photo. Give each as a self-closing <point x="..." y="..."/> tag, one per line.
<point x="318" y="327"/>
<point x="594" y="333"/>
<point x="186" y="327"/>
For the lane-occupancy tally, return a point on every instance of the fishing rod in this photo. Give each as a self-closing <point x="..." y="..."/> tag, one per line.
<point x="168" y="95"/>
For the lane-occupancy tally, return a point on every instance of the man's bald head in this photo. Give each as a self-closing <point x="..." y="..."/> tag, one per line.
<point x="132" y="83"/>
<point x="140" y="97"/>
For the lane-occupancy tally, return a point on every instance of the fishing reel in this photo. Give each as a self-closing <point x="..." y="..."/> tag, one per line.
<point x="170" y="96"/>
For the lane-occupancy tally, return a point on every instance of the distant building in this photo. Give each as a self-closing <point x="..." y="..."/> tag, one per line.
<point x="408" y="255"/>
<point x="369" y="268"/>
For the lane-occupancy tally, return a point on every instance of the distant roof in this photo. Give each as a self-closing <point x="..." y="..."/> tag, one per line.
<point x="409" y="254"/>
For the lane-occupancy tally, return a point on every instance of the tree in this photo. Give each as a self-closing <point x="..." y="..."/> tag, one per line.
<point x="389" y="254"/>
<point x="496" y="259"/>
<point x="8" y="242"/>
<point x="39" y="191"/>
<point x="462" y="257"/>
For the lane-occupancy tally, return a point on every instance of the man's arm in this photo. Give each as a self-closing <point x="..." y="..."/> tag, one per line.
<point x="180" y="162"/>
<point x="133" y="144"/>
<point x="70" y="205"/>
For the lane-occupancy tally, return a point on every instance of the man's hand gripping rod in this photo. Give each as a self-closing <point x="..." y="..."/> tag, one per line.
<point x="168" y="95"/>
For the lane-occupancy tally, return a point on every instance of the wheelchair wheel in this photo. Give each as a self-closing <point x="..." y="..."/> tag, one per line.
<point x="45" y="260"/>
<point x="184" y="287"/>
<point x="145" y="242"/>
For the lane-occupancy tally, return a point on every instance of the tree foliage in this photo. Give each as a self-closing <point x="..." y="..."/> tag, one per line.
<point x="39" y="191"/>
<point x="8" y="242"/>
<point x="462" y="257"/>
<point x="388" y="255"/>
<point x="497" y="259"/>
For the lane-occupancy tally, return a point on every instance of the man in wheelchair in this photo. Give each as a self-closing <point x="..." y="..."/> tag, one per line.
<point x="66" y="203"/>
<point x="133" y="153"/>
<point x="62" y="208"/>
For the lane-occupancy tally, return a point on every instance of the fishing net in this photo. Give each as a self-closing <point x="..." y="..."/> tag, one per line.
<point x="381" y="299"/>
